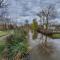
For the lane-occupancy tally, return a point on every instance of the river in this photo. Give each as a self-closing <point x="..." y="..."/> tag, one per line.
<point x="52" y="52"/>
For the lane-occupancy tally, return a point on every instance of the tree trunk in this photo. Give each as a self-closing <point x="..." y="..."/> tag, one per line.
<point x="45" y="40"/>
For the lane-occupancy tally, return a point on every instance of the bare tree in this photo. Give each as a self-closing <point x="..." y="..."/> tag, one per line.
<point x="48" y="13"/>
<point x="3" y="9"/>
<point x="3" y="5"/>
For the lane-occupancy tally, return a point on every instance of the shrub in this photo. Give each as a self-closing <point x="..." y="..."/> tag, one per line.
<point x="18" y="43"/>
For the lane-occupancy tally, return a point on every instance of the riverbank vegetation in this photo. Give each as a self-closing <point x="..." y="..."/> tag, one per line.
<point x="17" y="45"/>
<point x="55" y="36"/>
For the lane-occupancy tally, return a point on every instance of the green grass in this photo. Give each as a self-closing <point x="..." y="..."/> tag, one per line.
<point x="3" y="41"/>
<point x="56" y="36"/>
<point x="2" y="46"/>
<point x="2" y="33"/>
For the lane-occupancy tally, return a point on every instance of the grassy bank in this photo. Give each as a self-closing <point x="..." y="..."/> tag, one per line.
<point x="2" y="46"/>
<point x="3" y="40"/>
<point x="55" y="36"/>
<point x="2" y="33"/>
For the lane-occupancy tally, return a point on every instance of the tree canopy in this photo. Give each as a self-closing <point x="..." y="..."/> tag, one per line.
<point x="34" y="25"/>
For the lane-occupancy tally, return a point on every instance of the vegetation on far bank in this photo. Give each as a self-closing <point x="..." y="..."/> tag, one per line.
<point x="55" y="36"/>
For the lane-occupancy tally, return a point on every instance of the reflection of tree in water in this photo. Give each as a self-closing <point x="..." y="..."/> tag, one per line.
<point x="43" y="51"/>
<point x="34" y="35"/>
<point x="45" y="47"/>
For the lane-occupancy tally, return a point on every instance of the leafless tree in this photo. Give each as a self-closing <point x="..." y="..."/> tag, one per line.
<point x="47" y="14"/>
<point x="3" y="9"/>
<point x="3" y="5"/>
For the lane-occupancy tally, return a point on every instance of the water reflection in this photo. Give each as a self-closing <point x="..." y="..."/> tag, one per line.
<point x="42" y="52"/>
<point x="45" y="49"/>
<point x="34" y="35"/>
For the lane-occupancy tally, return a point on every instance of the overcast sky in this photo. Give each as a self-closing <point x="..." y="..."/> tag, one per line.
<point x="27" y="9"/>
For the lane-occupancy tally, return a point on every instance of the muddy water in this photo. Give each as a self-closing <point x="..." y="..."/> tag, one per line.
<point x="39" y="52"/>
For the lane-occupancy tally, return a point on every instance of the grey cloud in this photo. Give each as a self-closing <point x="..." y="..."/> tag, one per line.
<point x="29" y="7"/>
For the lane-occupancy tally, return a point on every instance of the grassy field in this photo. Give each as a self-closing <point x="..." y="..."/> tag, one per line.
<point x="55" y="36"/>
<point x="2" y="46"/>
<point x="3" y="40"/>
<point x="2" y="33"/>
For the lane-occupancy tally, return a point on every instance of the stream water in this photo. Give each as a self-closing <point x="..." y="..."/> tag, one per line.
<point x="50" y="52"/>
